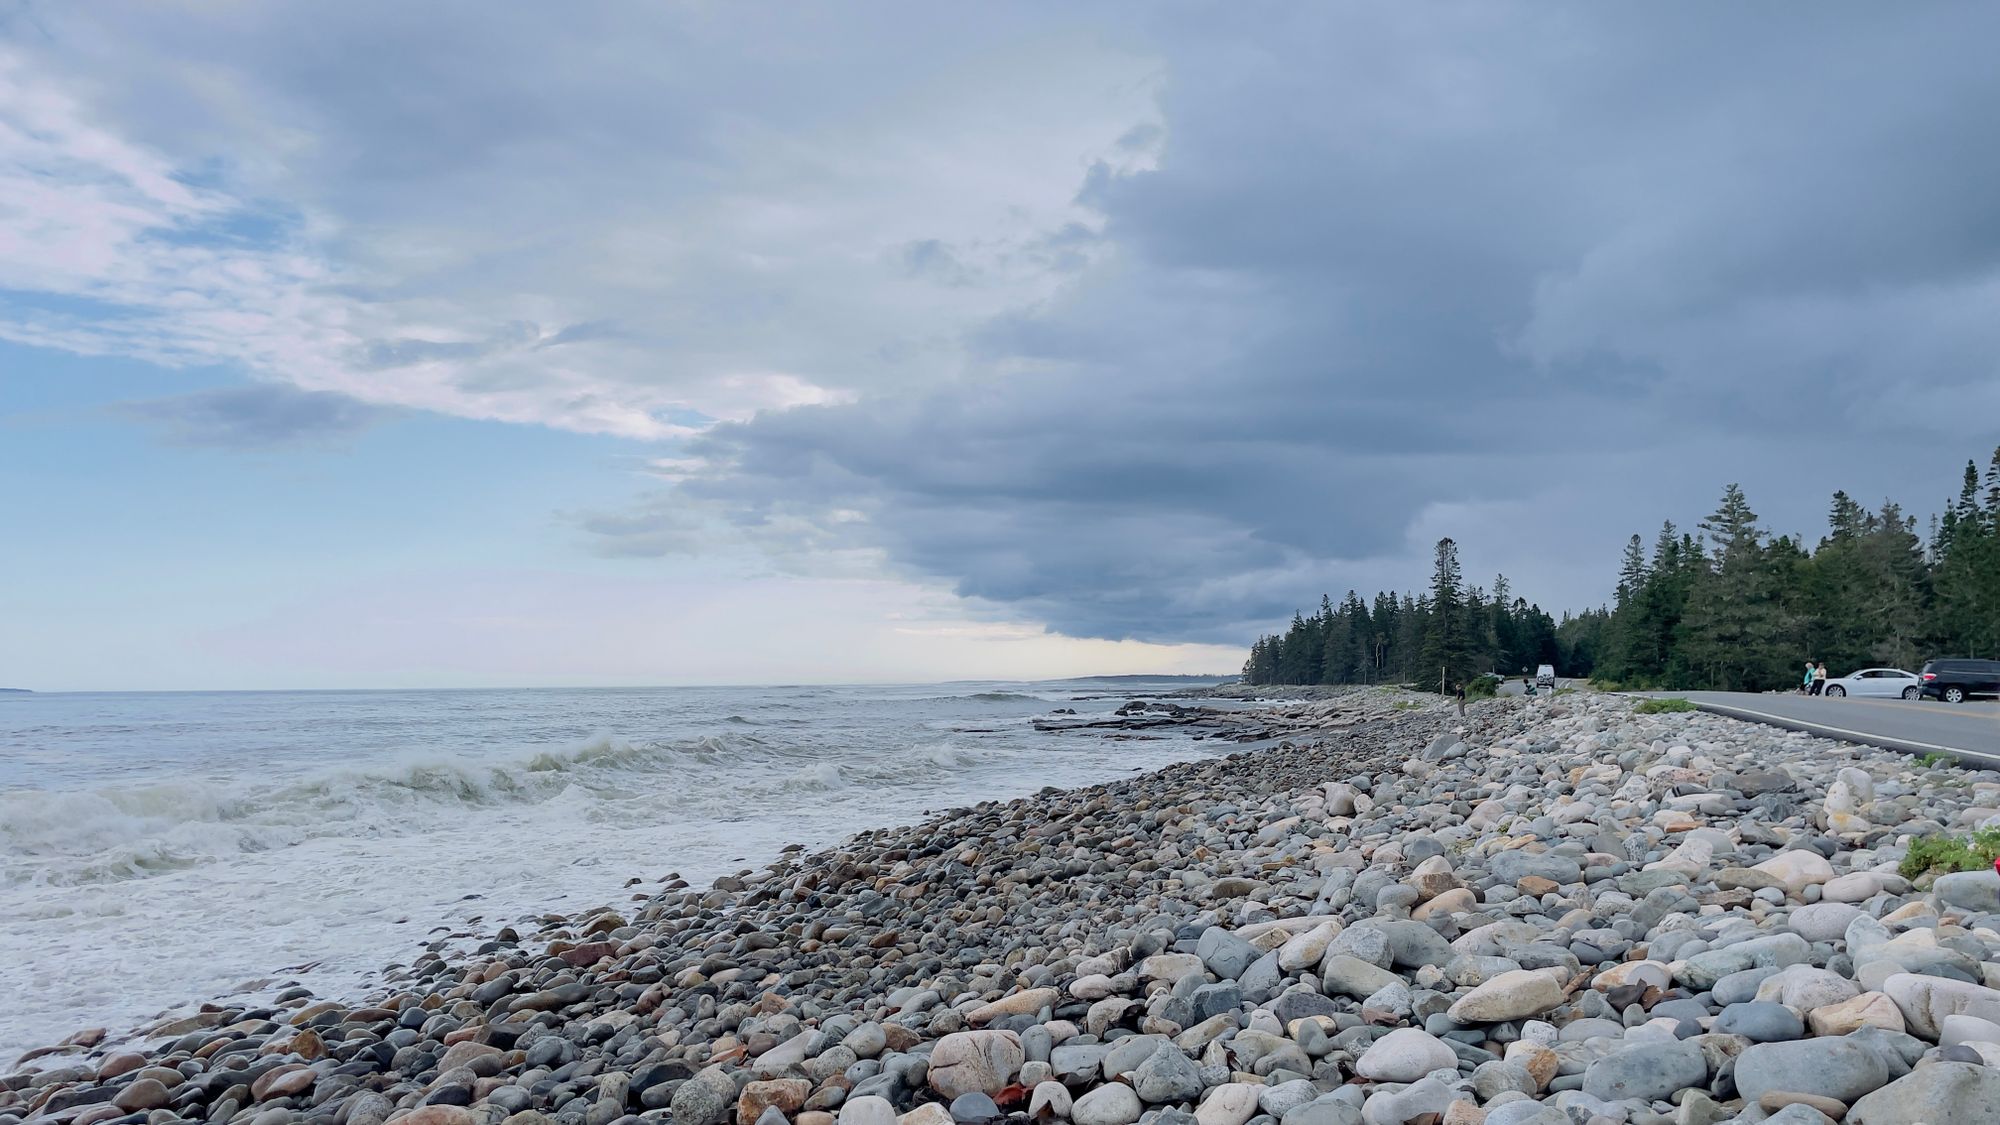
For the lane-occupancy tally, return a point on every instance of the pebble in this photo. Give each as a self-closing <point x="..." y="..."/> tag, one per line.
<point x="1760" y="1022"/>
<point x="1549" y="912"/>
<point x="1404" y="1055"/>
<point x="1107" y="1105"/>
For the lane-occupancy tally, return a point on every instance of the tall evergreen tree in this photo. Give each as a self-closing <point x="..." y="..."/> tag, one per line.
<point x="1447" y="650"/>
<point x="1732" y="624"/>
<point x="1729" y="608"/>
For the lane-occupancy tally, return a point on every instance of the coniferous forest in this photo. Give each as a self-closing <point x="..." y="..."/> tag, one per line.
<point x="1726" y="605"/>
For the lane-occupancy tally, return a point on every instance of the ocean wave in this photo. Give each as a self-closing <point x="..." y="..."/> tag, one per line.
<point x="949" y="756"/>
<point x="1004" y="697"/>
<point x="121" y="832"/>
<point x="118" y="832"/>
<point x="816" y="776"/>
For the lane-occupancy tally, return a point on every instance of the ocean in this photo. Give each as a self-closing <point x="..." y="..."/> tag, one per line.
<point x="162" y="849"/>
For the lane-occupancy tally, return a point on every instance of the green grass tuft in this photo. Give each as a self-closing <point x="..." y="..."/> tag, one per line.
<point x="1663" y="707"/>
<point x="1938" y="855"/>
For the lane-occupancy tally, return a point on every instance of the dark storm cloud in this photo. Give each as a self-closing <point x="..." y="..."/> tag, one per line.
<point x="262" y="416"/>
<point x="1393" y="258"/>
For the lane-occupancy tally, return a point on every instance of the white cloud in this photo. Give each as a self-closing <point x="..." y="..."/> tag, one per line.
<point x="527" y="267"/>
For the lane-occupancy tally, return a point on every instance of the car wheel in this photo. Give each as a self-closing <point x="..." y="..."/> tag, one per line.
<point x="1910" y="693"/>
<point x="1954" y="695"/>
<point x="1836" y="690"/>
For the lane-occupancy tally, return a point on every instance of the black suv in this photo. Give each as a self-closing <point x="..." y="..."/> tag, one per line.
<point x="1956" y="681"/>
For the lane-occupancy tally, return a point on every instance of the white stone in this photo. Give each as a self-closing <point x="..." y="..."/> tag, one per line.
<point x="1111" y="1104"/>
<point x="1511" y="996"/>
<point x="1797" y="869"/>
<point x="1169" y="967"/>
<point x="867" y="1110"/>
<point x="1404" y="1055"/>
<point x="1231" y="1103"/>
<point x="1653" y="973"/>
<point x="967" y="1061"/>
<point x="929" y="1113"/>
<point x="1303" y="950"/>
<point x="1855" y="886"/>
<point x="1858" y="781"/>
<point x="1096" y="986"/>
<point x="1926" y="1001"/>
<point x="1051" y="1098"/>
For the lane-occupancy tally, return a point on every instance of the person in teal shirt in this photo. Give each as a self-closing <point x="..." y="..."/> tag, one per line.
<point x="1807" y="685"/>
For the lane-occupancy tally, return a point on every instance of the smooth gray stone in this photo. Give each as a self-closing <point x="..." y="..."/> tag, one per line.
<point x="1830" y="1067"/>
<point x="1647" y="1071"/>
<point x="1763" y="1022"/>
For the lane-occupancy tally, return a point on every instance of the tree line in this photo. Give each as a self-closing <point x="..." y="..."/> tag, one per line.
<point x="1728" y="606"/>
<point x="1451" y="627"/>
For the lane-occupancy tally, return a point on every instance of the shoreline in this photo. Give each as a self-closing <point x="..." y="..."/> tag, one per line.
<point x="326" y="870"/>
<point x="1230" y="936"/>
<point x="1193" y="721"/>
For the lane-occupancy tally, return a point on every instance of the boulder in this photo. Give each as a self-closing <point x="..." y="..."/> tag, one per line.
<point x="965" y="1061"/>
<point x="1647" y="1071"/>
<point x="1797" y="869"/>
<point x="1510" y="996"/>
<point x="1870" y="1009"/>
<point x="1404" y="1055"/>
<point x="1112" y="1104"/>
<point x="1934" y="1094"/>
<point x="1925" y="1001"/>
<point x="705" y="1099"/>
<point x="1231" y="1103"/>
<point x="1027" y="1002"/>
<point x="1977" y="892"/>
<point x="1831" y="1068"/>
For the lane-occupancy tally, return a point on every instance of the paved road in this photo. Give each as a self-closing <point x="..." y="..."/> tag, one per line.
<point x="1971" y="731"/>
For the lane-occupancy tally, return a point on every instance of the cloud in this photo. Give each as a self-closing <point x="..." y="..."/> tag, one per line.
<point x="1142" y="328"/>
<point x="599" y="225"/>
<point x="1556" y="274"/>
<point x="255" y="417"/>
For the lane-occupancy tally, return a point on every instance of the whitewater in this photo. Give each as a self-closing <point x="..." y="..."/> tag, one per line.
<point x="162" y="849"/>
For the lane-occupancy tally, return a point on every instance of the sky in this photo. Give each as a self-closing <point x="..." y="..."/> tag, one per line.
<point x="496" y="344"/>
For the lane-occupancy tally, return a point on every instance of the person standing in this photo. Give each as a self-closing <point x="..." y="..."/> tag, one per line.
<point x="1805" y="686"/>
<point x="1819" y="679"/>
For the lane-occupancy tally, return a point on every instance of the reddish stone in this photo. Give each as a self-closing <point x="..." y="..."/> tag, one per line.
<point x="123" y="1063"/>
<point x="589" y="953"/>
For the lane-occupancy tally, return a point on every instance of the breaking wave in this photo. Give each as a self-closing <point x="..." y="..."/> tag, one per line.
<point x="66" y="838"/>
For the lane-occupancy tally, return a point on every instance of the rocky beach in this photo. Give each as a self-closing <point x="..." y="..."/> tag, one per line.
<point x="1548" y="911"/>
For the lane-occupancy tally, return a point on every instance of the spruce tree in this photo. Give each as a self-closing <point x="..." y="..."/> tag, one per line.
<point x="1732" y="624"/>
<point x="1446" y="648"/>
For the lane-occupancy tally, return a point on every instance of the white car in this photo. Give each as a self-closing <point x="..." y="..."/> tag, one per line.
<point x="1876" y="683"/>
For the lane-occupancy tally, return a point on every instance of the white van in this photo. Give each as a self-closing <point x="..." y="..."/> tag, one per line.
<point x="1545" y="677"/>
